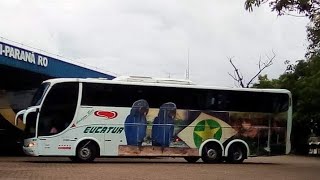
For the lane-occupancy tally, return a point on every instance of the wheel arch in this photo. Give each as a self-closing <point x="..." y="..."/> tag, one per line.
<point x="208" y="141"/>
<point x="236" y="141"/>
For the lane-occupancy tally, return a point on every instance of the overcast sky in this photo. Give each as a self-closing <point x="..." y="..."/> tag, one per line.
<point x="152" y="37"/>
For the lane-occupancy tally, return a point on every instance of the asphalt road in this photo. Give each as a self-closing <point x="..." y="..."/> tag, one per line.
<point x="260" y="168"/>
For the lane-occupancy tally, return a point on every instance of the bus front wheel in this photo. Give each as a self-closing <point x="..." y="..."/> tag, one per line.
<point x="86" y="152"/>
<point x="211" y="153"/>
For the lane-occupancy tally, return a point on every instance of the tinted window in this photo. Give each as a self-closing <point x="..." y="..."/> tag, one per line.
<point x="37" y="98"/>
<point x="248" y="101"/>
<point x="95" y="94"/>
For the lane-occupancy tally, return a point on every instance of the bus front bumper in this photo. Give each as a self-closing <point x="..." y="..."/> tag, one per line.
<point x="29" y="151"/>
<point x="31" y="148"/>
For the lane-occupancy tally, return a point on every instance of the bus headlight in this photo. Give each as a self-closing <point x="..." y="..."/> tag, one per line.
<point x="31" y="144"/>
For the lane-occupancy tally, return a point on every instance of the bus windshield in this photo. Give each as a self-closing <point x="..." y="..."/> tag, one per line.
<point x="38" y="96"/>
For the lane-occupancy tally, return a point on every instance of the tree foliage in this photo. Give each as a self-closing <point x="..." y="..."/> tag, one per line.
<point x="313" y="33"/>
<point x="309" y="8"/>
<point x="265" y="82"/>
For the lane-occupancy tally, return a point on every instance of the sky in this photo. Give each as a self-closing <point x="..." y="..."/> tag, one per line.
<point x="157" y="37"/>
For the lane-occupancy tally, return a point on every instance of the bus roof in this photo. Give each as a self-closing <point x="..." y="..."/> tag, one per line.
<point x="163" y="83"/>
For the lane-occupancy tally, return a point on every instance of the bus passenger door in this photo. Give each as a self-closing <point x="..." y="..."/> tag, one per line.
<point x="56" y="114"/>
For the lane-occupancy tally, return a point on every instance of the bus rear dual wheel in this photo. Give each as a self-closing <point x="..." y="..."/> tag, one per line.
<point x="212" y="153"/>
<point x="236" y="154"/>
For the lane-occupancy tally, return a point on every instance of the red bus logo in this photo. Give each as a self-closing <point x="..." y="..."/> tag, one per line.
<point x="106" y="114"/>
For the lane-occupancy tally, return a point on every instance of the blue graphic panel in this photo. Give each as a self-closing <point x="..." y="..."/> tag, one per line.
<point x="20" y="58"/>
<point x="136" y="123"/>
<point x="163" y="125"/>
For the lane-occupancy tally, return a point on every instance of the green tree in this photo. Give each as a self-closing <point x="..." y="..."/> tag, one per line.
<point x="313" y="33"/>
<point x="309" y="8"/>
<point x="265" y="82"/>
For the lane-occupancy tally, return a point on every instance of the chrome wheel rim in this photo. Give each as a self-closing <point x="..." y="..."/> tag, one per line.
<point x="212" y="153"/>
<point x="85" y="153"/>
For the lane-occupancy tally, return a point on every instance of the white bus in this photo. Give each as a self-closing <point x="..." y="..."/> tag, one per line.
<point x="145" y="117"/>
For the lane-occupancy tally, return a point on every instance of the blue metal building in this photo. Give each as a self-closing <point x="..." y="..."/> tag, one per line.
<point x="21" y="72"/>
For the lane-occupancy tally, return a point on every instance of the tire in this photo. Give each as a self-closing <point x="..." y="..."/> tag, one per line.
<point x="236" y="154"/>
<point x="211" y="153"/>
<point x="192" y="159"/>
<point x="86" y="152"/>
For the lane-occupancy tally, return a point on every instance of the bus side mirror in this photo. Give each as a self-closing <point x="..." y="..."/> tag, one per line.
<point x="17" y="116"/>
<point x="32" y="109"/>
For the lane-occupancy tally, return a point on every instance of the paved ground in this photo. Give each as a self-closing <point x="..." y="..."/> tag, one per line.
<point x="280" y="167"/>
